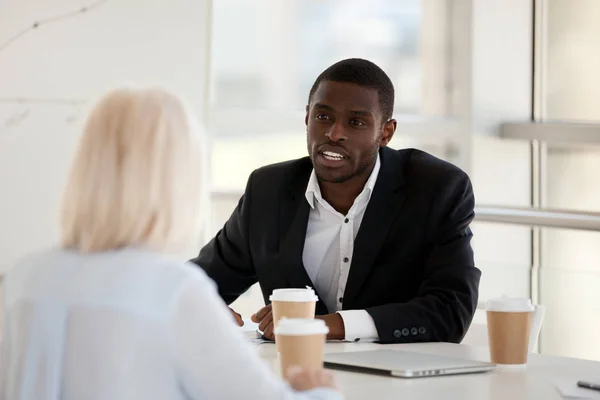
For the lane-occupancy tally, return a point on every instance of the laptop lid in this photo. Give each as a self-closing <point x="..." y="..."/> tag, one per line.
<point x="404" y="364"/>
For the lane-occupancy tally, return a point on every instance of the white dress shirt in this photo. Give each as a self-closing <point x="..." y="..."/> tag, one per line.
<point x="125" y="325"/>
<point x="328" y="251"/>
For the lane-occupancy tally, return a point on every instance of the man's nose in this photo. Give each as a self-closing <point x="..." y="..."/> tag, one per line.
<point x="336" y="133"/>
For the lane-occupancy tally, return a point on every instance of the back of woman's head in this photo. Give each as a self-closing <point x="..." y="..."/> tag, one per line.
<point x="137" y="176"/>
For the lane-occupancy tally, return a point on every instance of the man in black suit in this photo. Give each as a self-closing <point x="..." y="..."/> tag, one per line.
<point x="382" y="235"/>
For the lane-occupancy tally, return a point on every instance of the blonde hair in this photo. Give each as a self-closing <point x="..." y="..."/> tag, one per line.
<point x="137" y="176"/>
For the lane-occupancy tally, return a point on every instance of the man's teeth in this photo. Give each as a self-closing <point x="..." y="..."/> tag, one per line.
<point x="333" y="156"/>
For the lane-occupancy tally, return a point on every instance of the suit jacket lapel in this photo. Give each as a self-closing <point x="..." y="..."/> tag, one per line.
<point x="385" y="203"/>
<point x="293" y="221"/>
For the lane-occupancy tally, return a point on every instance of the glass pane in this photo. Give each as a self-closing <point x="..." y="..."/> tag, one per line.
<point x="570" y="276"/>
<point x="570" y="273"/>
<point x="267" y="53"/>
<point x="571" y="88"/>
<point x="502" y="176"/>
<point x="572" y="176"/>
<point x="569" y="282"/>
<point x="503" y="254"/>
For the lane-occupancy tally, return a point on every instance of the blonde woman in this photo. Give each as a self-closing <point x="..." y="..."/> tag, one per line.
<point x="116" y="313"/>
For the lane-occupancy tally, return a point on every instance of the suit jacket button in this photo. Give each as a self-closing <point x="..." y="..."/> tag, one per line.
<point x="414" y="331"/>
<point x="422" y="330"/>
<point x="405" y="332"/>
<point x="397" y="333"/>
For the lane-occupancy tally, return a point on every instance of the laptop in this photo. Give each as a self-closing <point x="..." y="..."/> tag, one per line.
<point x="404" y="364"/>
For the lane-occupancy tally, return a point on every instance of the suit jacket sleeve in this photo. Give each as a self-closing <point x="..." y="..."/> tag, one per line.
<point x="447" y="298"/>
<point x="226" y="258"/>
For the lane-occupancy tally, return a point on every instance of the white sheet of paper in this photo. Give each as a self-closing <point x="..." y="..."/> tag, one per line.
<point x="248" y="326"/>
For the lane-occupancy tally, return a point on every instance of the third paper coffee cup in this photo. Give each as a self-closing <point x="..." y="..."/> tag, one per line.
<point x="509" y="323"/>
<point x="301" y="343"/>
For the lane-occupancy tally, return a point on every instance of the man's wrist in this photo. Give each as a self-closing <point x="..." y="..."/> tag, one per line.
<point x="335" y="323"/>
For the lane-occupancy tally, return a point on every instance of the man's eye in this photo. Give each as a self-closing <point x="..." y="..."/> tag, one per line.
<point x="356" y="122"/>
<point x="322" y="117"/>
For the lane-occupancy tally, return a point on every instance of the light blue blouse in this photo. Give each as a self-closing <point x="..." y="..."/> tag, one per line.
<point x="125" y="325"/>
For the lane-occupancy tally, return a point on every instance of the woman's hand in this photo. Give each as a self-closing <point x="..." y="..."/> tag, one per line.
<point x="301" y="379"/>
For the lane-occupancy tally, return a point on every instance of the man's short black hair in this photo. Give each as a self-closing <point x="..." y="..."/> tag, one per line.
<point x="363" y="73"/>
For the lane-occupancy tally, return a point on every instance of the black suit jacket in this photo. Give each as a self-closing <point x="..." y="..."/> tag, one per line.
<point x="412" y="268"/>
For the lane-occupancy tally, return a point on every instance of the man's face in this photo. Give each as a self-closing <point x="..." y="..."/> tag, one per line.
<point x="345" y="130"/>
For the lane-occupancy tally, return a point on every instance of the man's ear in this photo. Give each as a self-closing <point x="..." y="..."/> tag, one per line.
<point x="306" y="117"/>
<point x="387" y="132"/>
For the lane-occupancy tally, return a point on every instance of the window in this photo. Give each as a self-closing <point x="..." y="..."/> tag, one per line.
<point x="266" y="55"/>
<point x="571" y="83"/>
<point x="569" y="91"/>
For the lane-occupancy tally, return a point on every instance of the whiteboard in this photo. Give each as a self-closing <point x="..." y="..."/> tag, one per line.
<point x="50" y="75"/>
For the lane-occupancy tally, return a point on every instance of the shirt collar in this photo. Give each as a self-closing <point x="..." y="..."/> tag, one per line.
<point x="313" y="191"/>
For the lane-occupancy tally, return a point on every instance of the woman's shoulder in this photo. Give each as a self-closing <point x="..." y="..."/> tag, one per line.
<point x="152" y="268"/>
<point x="177" y="267"/>
<point x="34" y="260"/>
<point x="30" y="269"/>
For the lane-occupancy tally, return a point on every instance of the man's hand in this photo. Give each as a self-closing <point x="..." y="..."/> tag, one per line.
<point x="335" y="323"/>
<point x="237" y="317"/>
<point x="264" y="319"/>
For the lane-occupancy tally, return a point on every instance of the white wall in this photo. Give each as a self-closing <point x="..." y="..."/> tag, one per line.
<point x="49" y="76"/>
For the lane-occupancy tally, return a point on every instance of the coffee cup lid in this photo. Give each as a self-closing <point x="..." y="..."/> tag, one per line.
<point x="294" y="295"/>
<point x="301" y="326"/>
<point x="507" y="304"/>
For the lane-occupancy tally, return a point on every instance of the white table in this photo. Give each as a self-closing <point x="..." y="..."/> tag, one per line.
<point x="536" y="381"/>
